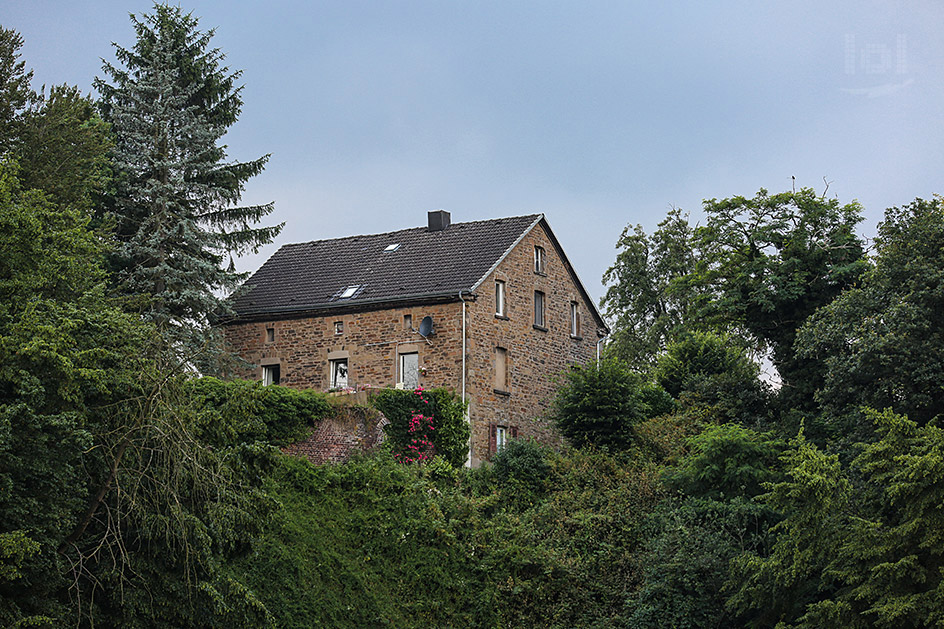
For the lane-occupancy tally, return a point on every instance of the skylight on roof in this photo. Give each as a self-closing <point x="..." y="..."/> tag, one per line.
<point x="393" y="247"/>
<point x="349" y="291"/>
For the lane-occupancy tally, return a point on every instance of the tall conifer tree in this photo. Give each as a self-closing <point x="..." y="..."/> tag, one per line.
<point x="177" y="194"/>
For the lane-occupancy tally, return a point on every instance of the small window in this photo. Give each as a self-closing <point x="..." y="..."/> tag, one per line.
<point x="410" y="370"/>
<point x="270" y="335"/>
<point x="500" y="298"/>
<point x="499" y="435"/>
<point x="408" y="322"/>
<point x="539" y="309"/>
<point x="349" y="291"/>
<point x="338" y="373"/>
<point x="539" y="260"/>
<point x="392" y="247"/>
<point x="501" y="369"/>
<point x="270" y="375"/>
<point x="339" y="327"/>
<point x="501" y="438"/>
<point x="574" y="319"/>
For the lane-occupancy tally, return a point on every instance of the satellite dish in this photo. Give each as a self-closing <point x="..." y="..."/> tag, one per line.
<point x="426" y="326"/>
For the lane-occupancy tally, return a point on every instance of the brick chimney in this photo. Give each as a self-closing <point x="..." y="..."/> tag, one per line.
<point x="439" y="220"/>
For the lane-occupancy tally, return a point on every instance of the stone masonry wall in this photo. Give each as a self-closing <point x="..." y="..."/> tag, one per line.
<point x="348" y="430"/>
<point x="535" y="357"/>
<point x="371" y="342"/>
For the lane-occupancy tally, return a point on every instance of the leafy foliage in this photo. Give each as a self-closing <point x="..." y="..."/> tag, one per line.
<point x="65" y="149"/>
<point x="724" y="462"/>
<point x="15" y="91"/>
<point x="599" y="404"/>
<point x="241" y="411"/>
<point x="650" y="296"/>
<point x="450" y="431"/>
<point x="710" y="370"/>
<point x="685" y="564"/>
<point x="66" y="355"/>
<point x="814" y="497"/>
<point x="771" y="261"/>
<point x="883" y="341"/>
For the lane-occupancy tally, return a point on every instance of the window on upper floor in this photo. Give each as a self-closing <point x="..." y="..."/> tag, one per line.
<point x="271" y="375"/>
<point x="501" y="369"/>
<point x="574" y="319"/>
<point x="500" y="298"/>
<point x="270" y="335"/>
<point x="339" y="327"/>
<point x="539" y="309"/>
<point x="539" y="260"/>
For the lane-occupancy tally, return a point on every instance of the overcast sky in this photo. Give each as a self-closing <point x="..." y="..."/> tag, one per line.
<point x="598" y="114"/>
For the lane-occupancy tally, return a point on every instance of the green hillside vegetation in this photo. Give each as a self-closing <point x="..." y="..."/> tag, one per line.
<point x="138" y="490"/>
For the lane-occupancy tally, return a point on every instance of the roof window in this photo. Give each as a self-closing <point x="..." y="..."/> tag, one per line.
<point x="393" y="247"/>
<point x="349" y="291"/>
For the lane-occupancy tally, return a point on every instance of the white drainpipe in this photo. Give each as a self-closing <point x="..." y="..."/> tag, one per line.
<point x="468" y="419"/>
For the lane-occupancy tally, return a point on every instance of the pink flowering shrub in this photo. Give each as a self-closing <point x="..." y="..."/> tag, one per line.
<point x="424" y="423"/>
<point x="420" y="448"/>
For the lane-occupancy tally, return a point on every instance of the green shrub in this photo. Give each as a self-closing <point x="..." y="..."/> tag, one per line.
<point x="726" y="461"/>
<point x="685" y="562"/>
<point x="601" y="403"/>
<point x="709" y="370"/>
<point x="240" y="411"/>
<point x="524" y="461"/>
<point x="449" y="434"/>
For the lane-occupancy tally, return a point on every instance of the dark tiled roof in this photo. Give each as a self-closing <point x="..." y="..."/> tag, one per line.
<point x="313" y="275"/>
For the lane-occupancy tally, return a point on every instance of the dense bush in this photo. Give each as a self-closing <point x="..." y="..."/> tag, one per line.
<point x="600" y="404"/>
<point x="522" y="470"/>
<point x="449" y="434"/>
<point x="240" y="411"/>
<point x="726" y="461"/>
<point x="710" y="370"/>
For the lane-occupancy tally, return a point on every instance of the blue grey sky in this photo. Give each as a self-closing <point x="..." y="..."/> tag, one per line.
<point x="598" y="114"/>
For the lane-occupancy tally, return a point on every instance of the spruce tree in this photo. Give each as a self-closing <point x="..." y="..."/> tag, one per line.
<point x="15" y="91"/>
<point x="177" y="195"/>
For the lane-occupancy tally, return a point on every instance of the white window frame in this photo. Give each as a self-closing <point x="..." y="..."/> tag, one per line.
<point x="271" y="374"/>
<point x="500" y="298"/>
<point x="501" y="438"/>
<point x="338" y="373"/>
<point x="539" y="259"/>
<point x="539" y="309"/>
<point x="414" y="374"/>
<point x="574" y="319"/>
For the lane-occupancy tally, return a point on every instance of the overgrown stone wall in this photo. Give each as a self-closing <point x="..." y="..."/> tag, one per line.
<point x="349" y="430"/>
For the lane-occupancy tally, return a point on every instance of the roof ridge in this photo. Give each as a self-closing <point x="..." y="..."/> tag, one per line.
<point x="411" y="229"/>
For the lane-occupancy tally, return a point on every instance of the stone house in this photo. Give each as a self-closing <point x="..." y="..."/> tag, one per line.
<point x="492" y="309"/>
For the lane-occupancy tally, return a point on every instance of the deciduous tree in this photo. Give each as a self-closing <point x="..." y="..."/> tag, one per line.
<point x="770" y="262"/>
<point x="883" y="341"/>
<point x="649" y="296"/>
